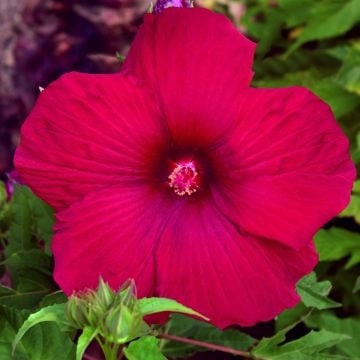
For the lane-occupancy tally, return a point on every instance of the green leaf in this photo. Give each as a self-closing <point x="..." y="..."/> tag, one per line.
<point x="11" y="320"/>
<point x="31" y="275"/>
<point x="86" y="337"/>
<point x="155" y="305"/>
<point x="349" y="73"/>
<point x="268" y="345"/>
<point x="296" y="12"/>
<point x="290" y="316"/>
<point x="350" y="327"/>
<point x="33" y="221"/>
<point x="54" y="313"/>
<point x="183" y="326"/>
<point x="146" y="348"/>
<point x="336" y="244"/>
<point x="353" y="208"/>
<point x="314" y="294"/>
<point x="31" y="269"/>
<point x="43" y="218"/>
<point x="357" y="285"/>
<point x="20" y="232"/>
<point x="308" y="347"/>
<point x="270" y="32"/>
<point x="3" y="195"/>
<point x="355" y="154"/>
<point x="56" y="297"/>
<point x="341" y="101"/>
<point x="19" y="299"/>
<point x="45" y="341"/>
<point x="4" y="209"/>
<point x="329" y="20"/>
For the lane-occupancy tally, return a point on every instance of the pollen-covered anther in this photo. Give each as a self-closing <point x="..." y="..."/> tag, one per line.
<point x="184" y="179"/>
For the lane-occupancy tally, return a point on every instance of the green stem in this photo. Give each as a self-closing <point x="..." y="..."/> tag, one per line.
<point x="102" y="345"/>
<point x="112" y="351"/>
<point x="109" y="349"/>
<point x="203" y="344"/>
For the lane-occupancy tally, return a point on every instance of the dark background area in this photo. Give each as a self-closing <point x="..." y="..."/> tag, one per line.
<point x="40" y="40"/>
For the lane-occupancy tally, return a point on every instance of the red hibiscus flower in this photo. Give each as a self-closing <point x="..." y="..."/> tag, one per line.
<point x="176" y="173"/>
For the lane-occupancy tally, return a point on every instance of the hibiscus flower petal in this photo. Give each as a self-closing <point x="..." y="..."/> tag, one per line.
<point x="199" y="63"/>
<point x="111" y="233"/>
<point x="204" y="262"/>
<point x="286" y="169"/>
<point x="87" y="132"/>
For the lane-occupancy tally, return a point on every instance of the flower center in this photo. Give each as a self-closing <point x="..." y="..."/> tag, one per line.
<point x="184" y="179"/>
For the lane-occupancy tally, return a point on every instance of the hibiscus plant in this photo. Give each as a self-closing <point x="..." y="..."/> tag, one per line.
<point x="177" y="206"/>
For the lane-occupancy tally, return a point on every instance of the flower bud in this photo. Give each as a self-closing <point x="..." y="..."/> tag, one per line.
<point x="76" y="312"/>
<point x="161" y="5"/>
<point x="105" y="293"/>
<point x="116" y="315"/>
<point x="13" y="178"/>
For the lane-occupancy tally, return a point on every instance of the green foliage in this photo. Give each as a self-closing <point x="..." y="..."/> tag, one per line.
<point x="314" y="294"/>
<point x="336" y="244"/>
<point x="146" y="348"/>
<point x="355" y="151"/>
<point x="46" y="341"/>
<point x="85" y="339"/>
<point x="313" y="345"/>
<point x="20" y="299"/>
<point x="29" y="266"/>
<point x="312" y="44"/>
<point x="31" y="277"/>
<point x="150" y="306"/>
<point x="353" y="210"/>
<point x="328" y="19"/>
<point x="198" y="330"/>
<point x="30" y="270"/>
<point x="112" y="318"/>
<point x="57" y="297"/>
<point x="4" y="212"/>
<point x="20" y="232"/>
<point x="32" y="222"/>
<point x="349" y="73"/>
<point x="357" y="285"/>
<point x="290" y="316"/>
<point x="54" y="313"/>
<point x="344" y="281"/>
<point x="350" y="327"/>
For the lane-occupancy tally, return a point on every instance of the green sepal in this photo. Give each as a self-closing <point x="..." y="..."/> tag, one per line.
<point x="86" y="337"/>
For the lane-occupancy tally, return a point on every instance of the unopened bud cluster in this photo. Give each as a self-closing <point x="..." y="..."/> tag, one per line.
<point x="116" y="315"/>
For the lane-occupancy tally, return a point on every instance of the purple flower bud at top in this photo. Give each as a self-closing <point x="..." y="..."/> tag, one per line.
<point x="161" y="5"/>
<point x="12" y="179"/>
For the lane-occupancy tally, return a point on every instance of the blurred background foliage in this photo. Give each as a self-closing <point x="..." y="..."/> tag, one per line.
<point x="300" y="42"/>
